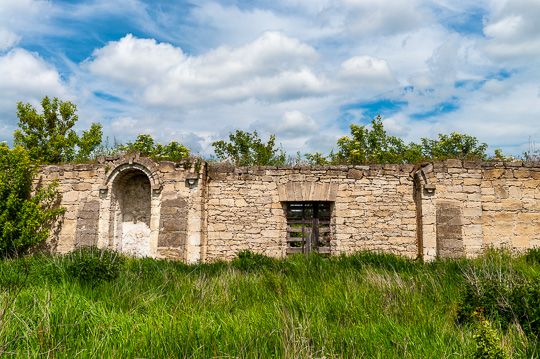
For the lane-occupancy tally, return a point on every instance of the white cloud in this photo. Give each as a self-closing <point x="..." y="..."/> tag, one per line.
<point x="366" y="71"/>
<point x="273" y="67"/>
<point x="513" y="31"/>
<point x="293" y="124"/>
<point x="136" y="62"/>
<point x="25" y="76"/>
<point x="385" y="17"/>
<point x="236" y="26"/>
<point x="8" y="39"/>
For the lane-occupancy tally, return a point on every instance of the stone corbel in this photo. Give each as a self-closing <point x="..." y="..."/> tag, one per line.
<point x="156" y="190"/>
<point x="192" y="180"/>
<point x="103" y="191"/>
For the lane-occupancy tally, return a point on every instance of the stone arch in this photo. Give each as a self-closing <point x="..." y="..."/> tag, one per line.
<point x="130" y="195"/>
<point x="135" y="163"/>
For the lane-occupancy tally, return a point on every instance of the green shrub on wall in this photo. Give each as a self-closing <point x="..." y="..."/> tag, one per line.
<point x="25" y="216"/>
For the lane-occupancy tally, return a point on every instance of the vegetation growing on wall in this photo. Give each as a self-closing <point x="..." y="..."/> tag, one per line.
<point x="146" y="146"/>
<point x="247" y="149"/>
<point x="26" y="216"/>
<point x="368" y="145"/>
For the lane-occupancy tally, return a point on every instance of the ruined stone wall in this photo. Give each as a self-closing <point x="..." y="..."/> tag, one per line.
<point x="194" y="212"/>
<point x="130" y="203"/>
<point x="511" y="204"/>
<point x="468" y="205"/>
<point x="372" y="207"/>
<point x="79" y="187"/>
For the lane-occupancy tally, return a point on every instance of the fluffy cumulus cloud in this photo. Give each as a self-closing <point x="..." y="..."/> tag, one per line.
<point x="293" y="124"/>
<point x="24" y="76"/>
<point x="8" y="39"/>
<point x="274" y="67"/>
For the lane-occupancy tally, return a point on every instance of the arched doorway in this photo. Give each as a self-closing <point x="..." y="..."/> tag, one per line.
<point x="132" y="195"/>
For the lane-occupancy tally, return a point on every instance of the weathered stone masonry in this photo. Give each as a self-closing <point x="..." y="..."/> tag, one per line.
<point x="195" y="212"/>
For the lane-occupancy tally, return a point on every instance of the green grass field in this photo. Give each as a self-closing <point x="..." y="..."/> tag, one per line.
<point x="360" y="306"/>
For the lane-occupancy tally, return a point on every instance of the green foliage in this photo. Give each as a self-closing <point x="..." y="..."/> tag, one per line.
<point x="145" y="145"/>
<point x="25" y="217"/>
<point x="317" y="158"/>
<point x="247" y="149"/>
<point x="488" y="344"/>
<point x="532" y="255"/>
<point x="371" y="145"/>
<point x="505" y="295"/>
<point x="359" y="306"/>
<point x="374" y="145"/>
<point x="93" y="265"/>
<point x="49" y="137"/>
<point x="249" y="261"/>
<point x="89" y="142"/>
<point x="455" y="145"/>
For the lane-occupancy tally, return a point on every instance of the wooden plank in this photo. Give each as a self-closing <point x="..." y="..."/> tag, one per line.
<point x="291" y="250"/>
<point x="324" y="250"/>
<point x="299" y="221"/>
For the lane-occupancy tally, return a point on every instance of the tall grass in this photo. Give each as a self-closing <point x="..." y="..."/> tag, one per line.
<point x="365" y="305"/>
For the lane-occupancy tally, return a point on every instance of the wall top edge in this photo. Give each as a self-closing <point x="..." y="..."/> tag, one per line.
<point x="228" y="168"/>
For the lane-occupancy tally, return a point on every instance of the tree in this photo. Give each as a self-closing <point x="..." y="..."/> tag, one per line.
<point x="25" y="215"/>
<point x="145" y="145"/>
<point x="49" y="136"/>
<point x="454" y="145"/>
<point x="247" y="149"/>
<point x="373" y="145"/>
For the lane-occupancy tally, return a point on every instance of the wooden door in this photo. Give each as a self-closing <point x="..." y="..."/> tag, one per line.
<point x="308" y="227"/>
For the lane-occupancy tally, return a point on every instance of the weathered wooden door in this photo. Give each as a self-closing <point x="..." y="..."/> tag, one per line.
<point x="308" y="227"/>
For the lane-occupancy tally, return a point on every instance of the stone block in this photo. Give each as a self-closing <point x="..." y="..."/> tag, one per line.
<point x="355" y="174"/>
<point x="511" y="205"/>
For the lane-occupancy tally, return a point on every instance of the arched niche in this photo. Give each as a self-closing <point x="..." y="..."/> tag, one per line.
<point x="129" y="208"/>
<point x="132" y="199"/>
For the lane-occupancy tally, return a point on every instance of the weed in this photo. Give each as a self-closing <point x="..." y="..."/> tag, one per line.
<point x="94" y="265"/>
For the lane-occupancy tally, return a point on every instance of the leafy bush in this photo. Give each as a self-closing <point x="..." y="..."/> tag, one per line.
<point x="514" y="301"/>
<point x="488" y="344"/>
<point x="26" y="217"/>
<point x="374" y="145"/>
<point x="247" y="149"/>
<point x="94" y="265"/>
<point x="145" y="145"/>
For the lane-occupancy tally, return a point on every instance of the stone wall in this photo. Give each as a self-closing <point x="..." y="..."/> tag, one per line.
<point x="511" y="204"/>
<point x="372" y="207"/>
<point x="132" y="204"/>
<point x="194" y="212"/>
<point x="468" y="205"/>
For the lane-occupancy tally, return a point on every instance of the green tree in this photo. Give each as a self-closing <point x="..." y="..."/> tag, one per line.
<point x="454" y="145"/>
<point x="247" y="149"/>
<point x="49" y="136"/>
<point x="374" y="145"/>
<point x="26" y="216"/>
<point x="145" y="145"/>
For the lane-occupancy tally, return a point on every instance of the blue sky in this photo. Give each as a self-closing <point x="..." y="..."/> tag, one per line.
<point x="304" y="70"/>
